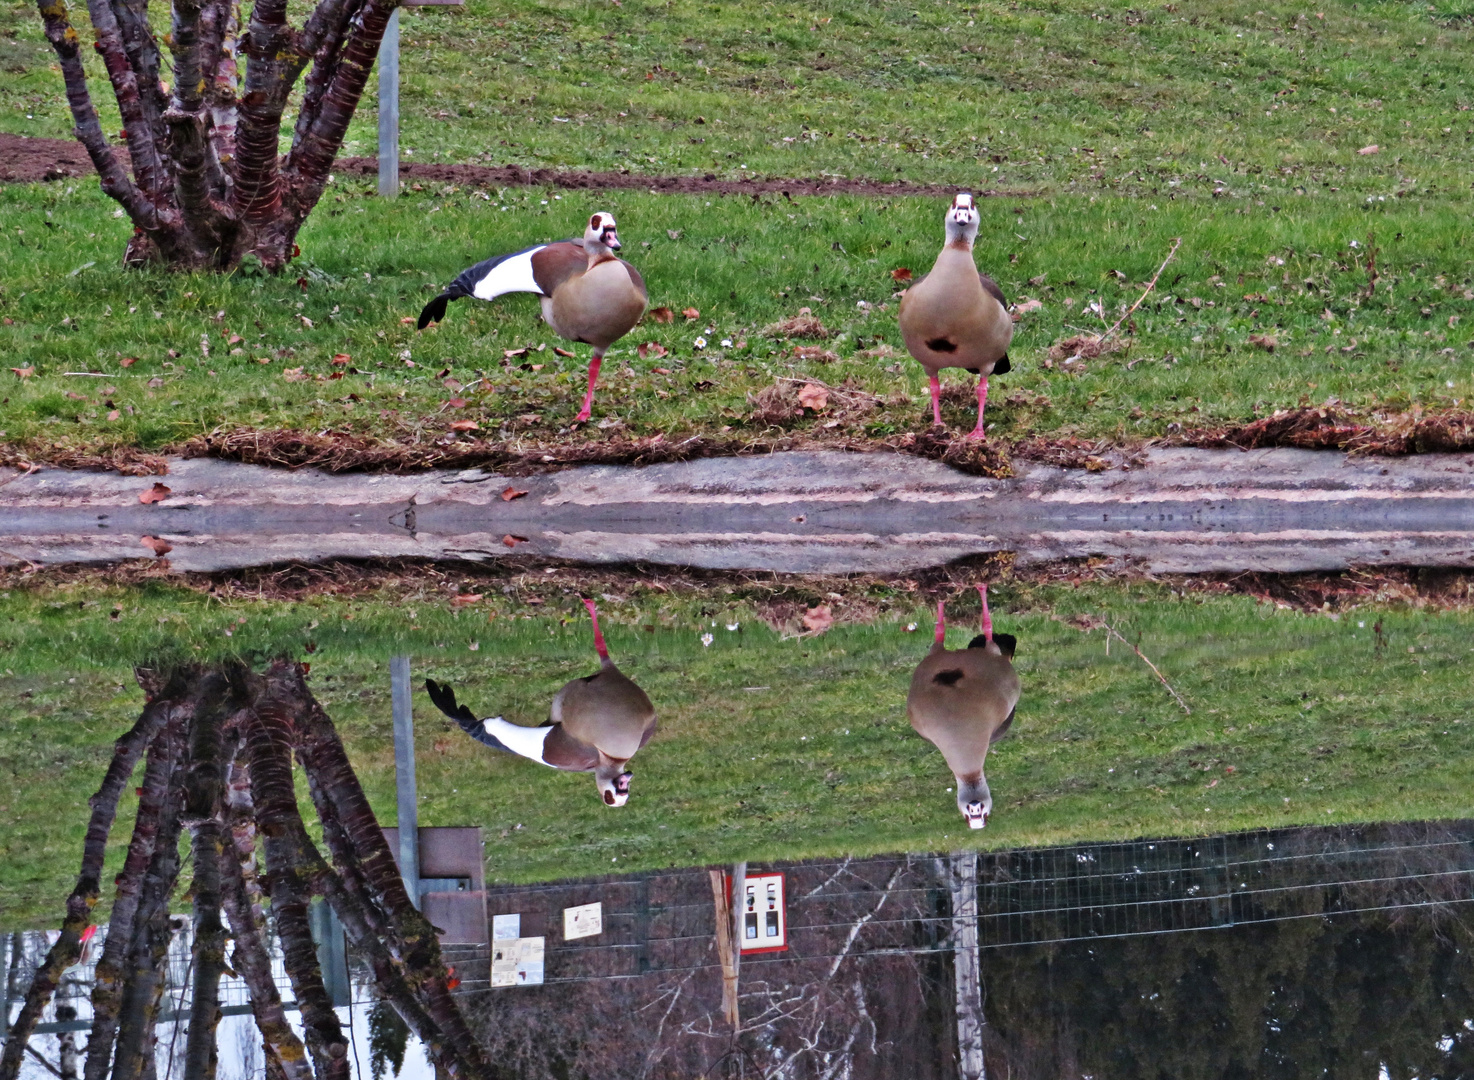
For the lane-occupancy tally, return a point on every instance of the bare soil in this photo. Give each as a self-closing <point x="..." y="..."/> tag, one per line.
<point x="24" y="161"/>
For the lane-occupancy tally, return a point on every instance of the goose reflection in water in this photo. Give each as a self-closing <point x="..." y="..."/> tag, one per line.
<point x="962" y="701"/>
<point x="598" y="723"/>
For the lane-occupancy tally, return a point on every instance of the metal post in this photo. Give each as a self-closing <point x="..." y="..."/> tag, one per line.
<point x="404" y="777"/>
<point x="389" y="108"/>
<point x="963" y="884"/>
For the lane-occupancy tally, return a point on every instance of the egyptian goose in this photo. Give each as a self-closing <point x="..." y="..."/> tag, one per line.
<point x="962" y="702"/>
<point x="957" y="317"/>
<point x="588" y="295"/>
<point x="598" y="722"/>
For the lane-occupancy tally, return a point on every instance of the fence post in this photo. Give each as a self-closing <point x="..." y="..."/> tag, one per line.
<point x="404" y="776"/>
<point x="962" y="880"/>
<point x="389" y="108"/>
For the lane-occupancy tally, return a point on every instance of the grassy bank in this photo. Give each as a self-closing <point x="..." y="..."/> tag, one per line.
<point x="204" y="353"/>
<point x="774" y="747"/>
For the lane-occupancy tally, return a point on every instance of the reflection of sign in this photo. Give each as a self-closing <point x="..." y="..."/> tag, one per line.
<point x="586" y="920"/>
<point x="764" y="916"/>
<point x="518" y="962"/>
<point x="506" y="927"/>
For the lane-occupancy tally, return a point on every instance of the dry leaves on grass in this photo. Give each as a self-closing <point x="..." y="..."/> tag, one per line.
<point x="813" y="396"/>
<point x="128" y="361"/>
<point x="295" y="374"/>
<point x="1024" y="307"/>
<point x="901" y="273"/>
<point x="817" y="353"/>
<point x="1267" y="342"/>
<point x="464" y="425"/>
<point x="1072" y="350"/>
<point x="341" y="358"/>
<point x="156" y="494"/>
<point x="651" y="348"/>
<point x="24" y="372"/>
<point x="817" y="620"/>
<point x="691" y="313"/>
<point x="802" y="325"/>
<point x="460" y="600"/>
<point x="661" y="315"/>
<point x="784" y="402"/>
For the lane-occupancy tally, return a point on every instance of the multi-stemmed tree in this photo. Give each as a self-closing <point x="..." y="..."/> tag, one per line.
<point x="209" y="184"/>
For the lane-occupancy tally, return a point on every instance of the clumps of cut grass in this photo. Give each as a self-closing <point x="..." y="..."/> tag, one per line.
<point x="803" y="325"/>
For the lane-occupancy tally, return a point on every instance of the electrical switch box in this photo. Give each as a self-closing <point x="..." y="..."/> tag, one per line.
<point x="764" y="916"/>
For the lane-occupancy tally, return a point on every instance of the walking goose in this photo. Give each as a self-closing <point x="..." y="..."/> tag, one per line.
<point x="598" y="722"/>
<point x="957" y="317"/>
<point x="962" y="701"/>
<point x="588" y="294"/>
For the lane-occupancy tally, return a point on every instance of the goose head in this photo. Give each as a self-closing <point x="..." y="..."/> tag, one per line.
<point x="962" y="220"/>
<point x="974" y="800"/>
<point x="614" y="781"/>
<point x="600" y="236"/>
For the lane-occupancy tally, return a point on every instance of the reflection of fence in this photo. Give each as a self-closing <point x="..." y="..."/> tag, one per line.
<point x="1169" y="886"/>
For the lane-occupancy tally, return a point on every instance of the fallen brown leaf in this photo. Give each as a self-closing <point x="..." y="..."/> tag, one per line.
<point x="113" y="414"/>
<point x="1266" y="342"/>
<point x="305" y="321"/>
<point x="901" y="273"/>
<point x="562" y="352"/>
<point x="512" y="354"/>
<point x="158" y="546"/>
<point x="651" y="348"/>
<point x="408" y="320"/>
<point x="24" y="372"/>
<point x="813" y="396"/>
<point x="512" y="541"/>
<point x="128" y="361"/>
<point x="1374" y="148"/>
<point x="341" y="358"/>
<point x="691" y="313"/>
<point x="464" y="425"/>
<point x="510" y="493"/>
<point x="661" y="315"/>
<point x="462" y="599"/>
<point x="295" y="375"/>
<point x="456" y="403"/>
<point x="815" y="352"/>
<point x="660" y="371"/>
<point x="156" y="494"/>
<point x="1026" y="307"/>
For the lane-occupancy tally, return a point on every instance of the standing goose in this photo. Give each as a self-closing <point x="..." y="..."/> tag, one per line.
<point x="962" y="702"/>
<point x="957" y="317"/>
<point x="598" y="722"/>
<point x="588" y="294"/>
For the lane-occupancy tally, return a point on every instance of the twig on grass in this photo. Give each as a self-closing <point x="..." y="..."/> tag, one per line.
<point x="1113" y="632"/>
<point x="1150" y="285"/>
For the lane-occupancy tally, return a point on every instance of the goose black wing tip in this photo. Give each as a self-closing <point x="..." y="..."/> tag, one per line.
<point x="434" y="311"/>
<point x="1007" y="643"/>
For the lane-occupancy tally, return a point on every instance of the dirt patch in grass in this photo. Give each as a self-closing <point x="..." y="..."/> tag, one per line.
<point x="28" y="161"/>
<point x="1329" y="428"/>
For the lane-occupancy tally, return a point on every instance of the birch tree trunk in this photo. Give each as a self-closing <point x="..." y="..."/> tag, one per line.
<point x="209" y="185"/>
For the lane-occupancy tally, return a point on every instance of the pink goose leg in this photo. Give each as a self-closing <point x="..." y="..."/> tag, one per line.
<point x="936" y="400"/>
<point x="987" y="626"/>
<point x="977" y="432"/>
<point x="588" y="399"/>
<point x="603" y="649"/>
<point x="941" y="634"/>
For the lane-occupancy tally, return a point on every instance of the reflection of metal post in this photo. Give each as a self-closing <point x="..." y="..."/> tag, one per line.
<point x="12" y="978"/>
<point x="404" y="777"/>
<point x="332" y="952"/>
<point x="962" y="881"/>
<point x="739" y="908"/>
<point x="389" y="108"/>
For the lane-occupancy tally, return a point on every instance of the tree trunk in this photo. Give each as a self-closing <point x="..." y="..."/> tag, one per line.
<point x="68" y="947"/>
<point x="210" y="188"/>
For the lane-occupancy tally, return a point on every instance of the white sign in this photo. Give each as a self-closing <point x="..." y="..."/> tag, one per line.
<point x="586" y="920"/>
<point x="506" y="927"/>
<point x="764" y="914"/>
<point x="518" y="962"/>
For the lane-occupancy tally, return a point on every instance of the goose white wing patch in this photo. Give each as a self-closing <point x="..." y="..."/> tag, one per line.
<point x="512" y="274"/>
<point x="524" y="741"/>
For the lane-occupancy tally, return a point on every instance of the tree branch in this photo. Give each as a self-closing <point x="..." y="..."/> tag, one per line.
<point x="285" y="1055"/>
<point x="88" y="129"/>
<point x="83" y="899"/>
<point x="273" y="62"/>
<point x="316" y="146"/>
<point x="132" y="105"/>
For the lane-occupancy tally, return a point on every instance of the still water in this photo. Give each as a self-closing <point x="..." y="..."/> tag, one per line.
<point x="1171" y="811"/>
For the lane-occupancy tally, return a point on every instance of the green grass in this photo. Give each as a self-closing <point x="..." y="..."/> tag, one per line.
<point x="1131" y="126"/>
<point x="368" y="264"/>
<point x="1053" y="94"/>
<point x="1318" y="721"/>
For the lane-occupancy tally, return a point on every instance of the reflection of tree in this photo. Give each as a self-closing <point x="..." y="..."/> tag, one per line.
<point x="388" y="1036"/>
<point x="220" y="743"/>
